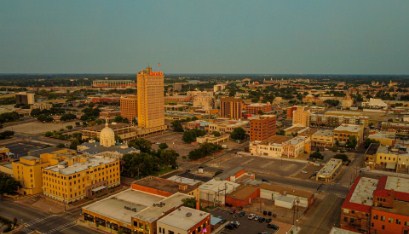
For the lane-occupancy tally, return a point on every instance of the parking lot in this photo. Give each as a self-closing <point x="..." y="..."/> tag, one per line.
<point x="21" y="148"/>
<point x="261" y="165"/>
<point x="246" y="226"/>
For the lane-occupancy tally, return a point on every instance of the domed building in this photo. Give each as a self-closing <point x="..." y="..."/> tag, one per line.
<point x="107" y="136"/>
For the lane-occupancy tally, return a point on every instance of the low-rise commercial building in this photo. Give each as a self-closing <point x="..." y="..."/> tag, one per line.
<point x="322" y="139"/>
<point x="330" y="170"/>
<point x="273" y="191"/>
<point x="272" y="147"/>
<point x="131" y="211"/>
<point x="243" y="196"/>
<point x="392" y="158"/>
<point x="213" y="139"/>
<point x="227" y="126"/>
<point x="165" y="187"/>
<point x="214" y="192"/>
<point x="384" y="138"/>
<point x="336" y="118"/>
<point x="184" y="220"/>
<point x="297" y="147"/>
<point x="346" y="131"/>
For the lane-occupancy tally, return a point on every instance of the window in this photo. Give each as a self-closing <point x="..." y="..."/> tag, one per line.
<point x="382" y="218"/>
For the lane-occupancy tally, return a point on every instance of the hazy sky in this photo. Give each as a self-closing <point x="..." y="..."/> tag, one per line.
<point x="208" y="36"/>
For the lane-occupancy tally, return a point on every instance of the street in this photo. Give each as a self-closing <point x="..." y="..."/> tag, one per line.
<point x="33" y="219"/>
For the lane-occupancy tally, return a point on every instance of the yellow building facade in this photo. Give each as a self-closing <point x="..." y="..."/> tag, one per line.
<point x="345" y="131"/>
<point x="80" y="177"/>
<point x="151" y="100"/>
<point x="28" y="170"/>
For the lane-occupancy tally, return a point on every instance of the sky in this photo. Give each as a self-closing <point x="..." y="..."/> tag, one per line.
<point x="209" y="36"/>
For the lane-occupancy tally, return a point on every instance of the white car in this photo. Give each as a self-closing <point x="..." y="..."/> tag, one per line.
<point x="251" y="216"/>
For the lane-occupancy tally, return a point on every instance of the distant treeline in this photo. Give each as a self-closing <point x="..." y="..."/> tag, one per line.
<point x="47" y="80"/>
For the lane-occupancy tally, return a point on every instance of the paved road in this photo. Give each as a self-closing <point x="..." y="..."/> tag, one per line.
<point x="33" y="219"/>
<point x="324" y="217"/>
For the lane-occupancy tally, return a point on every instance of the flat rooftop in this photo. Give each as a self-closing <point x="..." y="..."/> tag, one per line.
<point x="189" y="217"/>
<point x="349" y="128"/>
<point x="124" y="205"/>
<point x="329" y="167"/>
<point x="170" y="186"/>
<point x="363" y="193"/>
<point x="154" y="212"/>
<point x="276" y="139"/>
<point x="287" y="190"/>
<point x="398" y="184"/>
<point x="243" y="192"/>
<point x="184" y="180"/>
<point x="77" y="167"/>
<point x="296" y="140"/>
<point x="336" y="230"/>
<point x="216" y="185"/>
<point x="327" y="133"/>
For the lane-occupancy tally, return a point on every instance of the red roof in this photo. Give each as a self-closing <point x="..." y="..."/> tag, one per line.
<point x="355" y="206"/>
<point x="381" y="191"/>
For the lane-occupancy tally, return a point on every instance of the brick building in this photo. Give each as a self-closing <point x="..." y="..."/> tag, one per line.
<point x="129" y="107"/>
<point x="262" y="127"/>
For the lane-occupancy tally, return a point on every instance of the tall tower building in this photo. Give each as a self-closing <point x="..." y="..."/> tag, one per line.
<point x="151" y="100"/>
<point x="231" y="107"/>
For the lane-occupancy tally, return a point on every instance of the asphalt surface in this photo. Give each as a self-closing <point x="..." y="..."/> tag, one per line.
<point x="33" y="219"/>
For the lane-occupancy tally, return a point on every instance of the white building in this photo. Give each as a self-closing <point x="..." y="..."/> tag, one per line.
<point x="375" y="103"/>
<point x="215" y="191"/>
<point x="184" y="220"/>
<point x="273" y="147"/>
<point x="330" y="170"/>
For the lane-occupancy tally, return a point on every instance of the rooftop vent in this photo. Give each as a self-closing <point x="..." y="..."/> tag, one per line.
<point x="188" y="214"/>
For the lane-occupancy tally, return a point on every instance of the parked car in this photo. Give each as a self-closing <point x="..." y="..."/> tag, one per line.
<point x="273" y="226"/>
<point x="251" y="216"/>
<point x="269" y="213"/>
<point x="242" y="214"/>
<point x="235" y="223"/>
<point x="268" y="220"/>
<point x="256" y="218"/>
<point x="230" y="226"/>
<point x="261" y="219"/>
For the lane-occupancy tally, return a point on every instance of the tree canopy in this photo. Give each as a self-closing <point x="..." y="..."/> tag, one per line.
<point x="8" y="185"/>
<point x="238" y="134"/>
<point x="142" y="144"/>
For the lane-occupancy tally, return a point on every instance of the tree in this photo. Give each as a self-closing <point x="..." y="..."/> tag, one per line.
<point x="68" y="116"/>
<point x="343" y="157"/>
<point x="163" y="146"/>
<point x="369" y="141"/>
<point x="351" y="142"/>
<point x="204" y="150"/>
<point x="189" y="202"/>
<point x="331" y="102"/>
<point x="139" y="165"/>
<point x="143" y="145"/>
<point x="8" y="185"/>
<point x="238" y="134"/>
<point x="61" y="145"/>
<point x="177" y="126"/>
<point x="45" y="118"/>
<point x="216" y="133"/>
<point x="317" y="155"/>
<point x="6" y="134"/>
<point x="191" y="135"/>
<point x="74" y="144"/>
<point x="168" y="157"/>
<point x="69" y="127"/>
